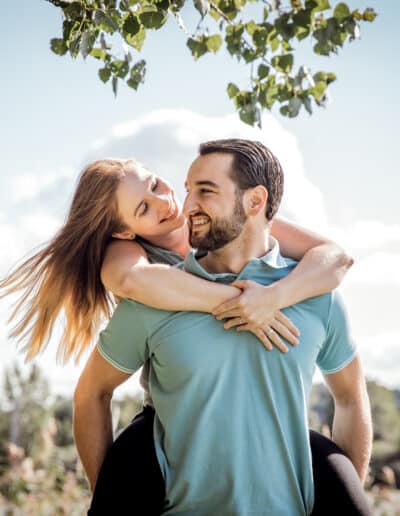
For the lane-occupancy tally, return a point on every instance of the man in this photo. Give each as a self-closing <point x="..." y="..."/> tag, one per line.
<point x="231" y="430"/>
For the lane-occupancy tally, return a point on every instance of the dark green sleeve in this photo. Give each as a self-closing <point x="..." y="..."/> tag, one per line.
<point x="123" y="343"/>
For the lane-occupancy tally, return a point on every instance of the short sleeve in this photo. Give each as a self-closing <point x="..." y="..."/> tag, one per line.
<point x="123" y="343"/>
<point x="339" y="347"/>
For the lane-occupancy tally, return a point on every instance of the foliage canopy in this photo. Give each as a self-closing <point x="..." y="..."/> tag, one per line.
<point x="266" y="42"/>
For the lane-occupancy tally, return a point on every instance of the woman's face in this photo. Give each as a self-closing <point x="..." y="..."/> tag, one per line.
<point x="147" y="204"/>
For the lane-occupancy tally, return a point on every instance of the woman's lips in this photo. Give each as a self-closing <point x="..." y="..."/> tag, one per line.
<point x="172" y="212"/>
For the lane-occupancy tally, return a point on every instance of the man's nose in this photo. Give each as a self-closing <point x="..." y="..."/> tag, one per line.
<point x="190" y="204"/>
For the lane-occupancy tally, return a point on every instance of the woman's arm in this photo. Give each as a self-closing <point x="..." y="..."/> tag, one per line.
<point x="321" y="268"/>
<point x="127" y="272"/>
<point x="322" y="263"/>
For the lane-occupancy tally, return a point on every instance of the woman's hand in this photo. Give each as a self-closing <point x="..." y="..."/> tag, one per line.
<point x="255" y="310"/>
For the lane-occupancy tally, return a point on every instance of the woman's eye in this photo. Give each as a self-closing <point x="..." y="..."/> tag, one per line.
<point x="154" y="186"/>
<point x="145" y="208"/>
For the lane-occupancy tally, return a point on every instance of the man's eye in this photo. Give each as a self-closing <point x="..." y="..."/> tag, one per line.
<point x="204" y="190"/>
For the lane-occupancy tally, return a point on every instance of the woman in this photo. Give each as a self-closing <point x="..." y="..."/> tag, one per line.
<point x="115" y="202"/>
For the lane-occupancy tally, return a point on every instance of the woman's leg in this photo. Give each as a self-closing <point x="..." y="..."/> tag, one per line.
<point x="338" y="489"/>
<point x="130" y="480"/>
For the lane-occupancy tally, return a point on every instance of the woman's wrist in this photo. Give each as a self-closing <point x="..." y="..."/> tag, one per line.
<point x="275" y="296"/>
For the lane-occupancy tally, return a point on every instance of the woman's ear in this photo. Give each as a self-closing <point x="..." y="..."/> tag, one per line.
<point x="256" y="200"/>
<point x="125" y="235"/>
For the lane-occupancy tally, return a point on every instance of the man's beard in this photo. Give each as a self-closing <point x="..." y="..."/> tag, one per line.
<point x="222" y="230"/>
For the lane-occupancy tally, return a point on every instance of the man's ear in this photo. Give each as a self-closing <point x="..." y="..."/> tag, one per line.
<point x="256" y="200"/>
<point x="125" y="235"/>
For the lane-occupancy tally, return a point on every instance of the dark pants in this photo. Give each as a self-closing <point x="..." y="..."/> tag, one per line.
<point x="130" y="482"/>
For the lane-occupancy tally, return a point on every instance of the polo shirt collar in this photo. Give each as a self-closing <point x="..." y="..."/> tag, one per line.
<point x="272" y="259"/>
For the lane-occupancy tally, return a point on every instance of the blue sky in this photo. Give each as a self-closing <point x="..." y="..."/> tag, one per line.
<point x="56" y="114"/>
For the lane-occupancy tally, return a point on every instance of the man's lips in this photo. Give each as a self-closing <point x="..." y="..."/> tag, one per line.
<point x="198" y="221"/>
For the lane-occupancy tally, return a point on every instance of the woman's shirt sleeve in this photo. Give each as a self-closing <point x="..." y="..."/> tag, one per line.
<point x="123" y="343"/>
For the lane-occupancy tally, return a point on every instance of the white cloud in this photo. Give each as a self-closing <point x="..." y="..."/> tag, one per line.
<point x="367" y="235"/>
<point x="29" y="185"/>
<point x="381" y="358"/>
<point x="377" y="269"/>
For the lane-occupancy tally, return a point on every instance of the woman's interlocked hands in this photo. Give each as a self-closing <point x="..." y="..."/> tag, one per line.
<point x="255" y="310"/>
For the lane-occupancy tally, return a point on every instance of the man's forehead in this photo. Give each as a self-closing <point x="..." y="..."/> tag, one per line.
<point x="215" y="167"/>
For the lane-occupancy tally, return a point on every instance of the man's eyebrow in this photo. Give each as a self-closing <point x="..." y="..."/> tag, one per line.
<point x="207" y="183"/>
<point x="142" y="201"/>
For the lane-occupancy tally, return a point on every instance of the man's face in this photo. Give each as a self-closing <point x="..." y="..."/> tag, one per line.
<point x="213" y="205"/>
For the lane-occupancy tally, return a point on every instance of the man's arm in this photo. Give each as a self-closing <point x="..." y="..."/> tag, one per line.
<point x="92" y="414"/>
<point x="352" y="426"/>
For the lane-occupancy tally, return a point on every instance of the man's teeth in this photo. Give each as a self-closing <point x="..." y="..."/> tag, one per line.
<point x="198" y="222"/>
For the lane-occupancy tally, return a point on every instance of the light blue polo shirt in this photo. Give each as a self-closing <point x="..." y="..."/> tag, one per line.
<point x="231" y="431"/>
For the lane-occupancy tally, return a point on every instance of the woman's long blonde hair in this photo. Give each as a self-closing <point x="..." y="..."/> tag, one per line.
<point x="64" y="276"/>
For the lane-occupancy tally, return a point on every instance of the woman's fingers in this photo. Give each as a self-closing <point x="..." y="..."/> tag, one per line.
<point x="268" y="337"/>
<point x="259" y="333"/>
<point x="284" y="332"/>
<point x="230" y="313"/>
<point x="235" y="321"/>
<point x="281" y="317"/>
<point x="276" y="340"/>
<point x="225" y="307"/>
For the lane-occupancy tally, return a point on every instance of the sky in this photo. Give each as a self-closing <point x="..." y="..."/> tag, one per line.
<point x="341" y="164"/>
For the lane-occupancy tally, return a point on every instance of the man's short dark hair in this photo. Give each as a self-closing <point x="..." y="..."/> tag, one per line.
<point x="253" y="165"/>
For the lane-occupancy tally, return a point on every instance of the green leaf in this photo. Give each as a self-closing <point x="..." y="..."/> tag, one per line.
<point x="317" y="5"/>
<point x="294" y="106"/>
<point x="73" y="10"/>
<point x="137" y="40"/>
<point x="99" y="53"/>
<point x="249" y="55"/>
<point x="58" y="46"/>
<point x="307" y="104"/>
<point x="232" y="90"/>
<point x="213" y="43"/>
<point x="283" y="63"/>
<point x="260" y="37"/>
<point x="115" y="85"/>
<point x="251" y="27"/>
<point x="119" y="68"/>
<point x="318" y="91"/>
<point x="233" y="39"/>
<point x="341" y="12"/>
<point x="323" y="49"/>
<point x="74" y="44"/>
<point x="130" y="26"/>
<point x="67" y="29"/>
<point x="302" y="18"/>
<point x="153" y="20"/>
<point x="87" y="41"/>
<point x="250" y="114"/>
<point x="197" y="47"/>
<point x="203" y="6"/>
<point x="263" y="71"/>
<point x="284" y="110"/>
<point x="369" y="15"/>
<point x="104" y="74"/>
<point x="104" y="21"/>
<point x="137" y="74"/>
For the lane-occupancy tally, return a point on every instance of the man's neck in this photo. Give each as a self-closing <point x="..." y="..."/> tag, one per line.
<point x="236" y="255"/>
<point x="177" y="240"/>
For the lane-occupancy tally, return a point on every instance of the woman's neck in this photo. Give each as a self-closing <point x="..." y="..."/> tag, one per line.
<point x="177" y="240"/>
